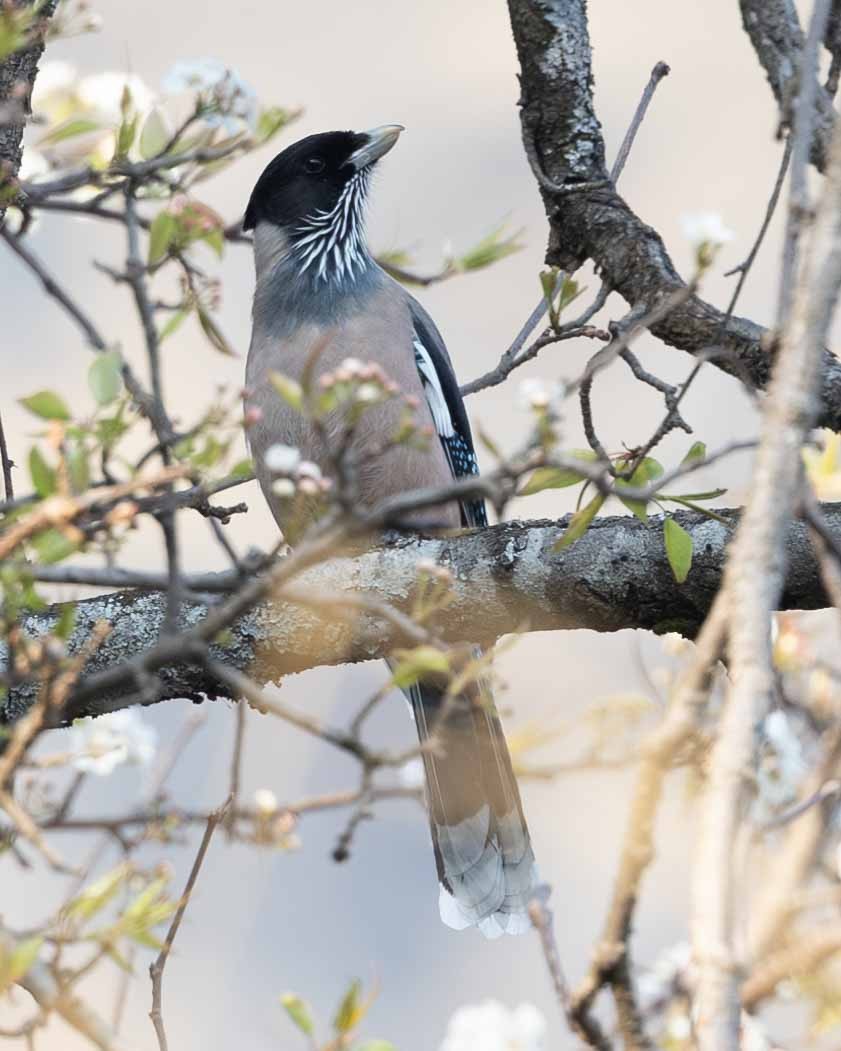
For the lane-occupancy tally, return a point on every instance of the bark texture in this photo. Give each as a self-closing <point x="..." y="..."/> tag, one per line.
<point x="17" y="75"/>
<point x="593" y="222"/>
<point x="506" y="579"/>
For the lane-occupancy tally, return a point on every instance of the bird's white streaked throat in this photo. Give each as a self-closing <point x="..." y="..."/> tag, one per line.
<point x="330" y="245"/>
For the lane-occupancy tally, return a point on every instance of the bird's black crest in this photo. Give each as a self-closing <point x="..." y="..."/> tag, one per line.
<point x="307" y="177"/>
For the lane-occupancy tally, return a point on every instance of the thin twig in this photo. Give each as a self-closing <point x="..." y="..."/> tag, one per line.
<point x="156" y="970"/>
<point x="6" y="464"/>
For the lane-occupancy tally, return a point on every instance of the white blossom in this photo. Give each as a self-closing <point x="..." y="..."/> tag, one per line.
<point x="54" y="79"/>
<point x="410" y="773"/>
<point x="753" y="1035"/>
<point x="539" y="394"/>
<point x="101" y="95"/>
<point x="265" y="802"/>
<point x="705" y="228"/>
<point x="308" y="469"/>
<point x="490" y="1026"/>
<point x="100" y="745"/>
<point x="283" y="488"/>
<point x="368" y="393"/>
<point x="33" y="165"/>
<point x="281" y="459"/>
<point x="353" y="366"/>
<point x="781" y="765"/>
<point x="233" y="99"/>
<point x="656" y="983"/>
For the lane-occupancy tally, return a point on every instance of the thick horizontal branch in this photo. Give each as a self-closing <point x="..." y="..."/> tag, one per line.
<point x="589" y="220"/>
<point x="505" y="579"/>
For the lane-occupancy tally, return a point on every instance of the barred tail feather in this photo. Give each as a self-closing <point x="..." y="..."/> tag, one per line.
<point x="482" y="847"/>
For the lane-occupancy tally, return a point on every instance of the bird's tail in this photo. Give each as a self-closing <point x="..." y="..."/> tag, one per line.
<point x="482" y="847"/>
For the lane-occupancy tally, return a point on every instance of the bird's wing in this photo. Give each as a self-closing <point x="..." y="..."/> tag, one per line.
<point x="446" y="405"/>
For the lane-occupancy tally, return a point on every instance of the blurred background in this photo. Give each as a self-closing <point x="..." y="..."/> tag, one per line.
<point x="264" y="921"/>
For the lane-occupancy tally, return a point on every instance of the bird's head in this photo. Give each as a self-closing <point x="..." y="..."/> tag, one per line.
<point x="314" y="192"/>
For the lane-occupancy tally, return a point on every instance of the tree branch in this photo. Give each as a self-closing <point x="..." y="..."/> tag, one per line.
<point x="17" y="75"/>
<point x="505" y="579"/>
<point x="589" y="220"/>
<point x="774" y="30"/>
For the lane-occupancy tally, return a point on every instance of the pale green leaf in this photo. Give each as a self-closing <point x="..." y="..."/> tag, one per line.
<point x="696" y="454"/>
<point x="96" y="895"/>
<point x="47" y="404"/>
<point x="646" y="472"/>
<point x="161" y="235"/>
<point x="66" y="621"/>
<point x="42" y="475"/>
<point x="53" y="546"/>
<point x="154" y="134"/>
<point x="69" y="129"/>
<point x="214" y="333"/>
<point x="580" y="523"/>
<point x="289" y="389"/>
<point x="78" y="468"/>
<point x="558" y="477"/>
<point x="418" y="663"/>
<point x="242" y="469"/>
<point x="23" y="956"/>
<point x="299" y="1011"/>
<point x="174" y="323"/>
<point x="490" y="250"/>
<point x="678" y="549"/>
<point x="351" y="1010"/>
<point x="105" y="376"/>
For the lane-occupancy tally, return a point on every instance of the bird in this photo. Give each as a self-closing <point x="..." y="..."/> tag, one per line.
<point x="321" y="299"/>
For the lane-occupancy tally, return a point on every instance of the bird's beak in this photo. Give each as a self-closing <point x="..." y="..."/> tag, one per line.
<point x="378" y="141"/>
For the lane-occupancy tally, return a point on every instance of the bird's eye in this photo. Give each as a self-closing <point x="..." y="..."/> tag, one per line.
<point x="314" y="165"/>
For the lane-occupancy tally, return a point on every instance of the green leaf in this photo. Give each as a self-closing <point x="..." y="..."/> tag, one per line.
<point x="580" y="523"/>
<point x="161" y="235"/>
<point x="42" y="475"/>
<point x="126" y="135"/>
<point x="242" y="469"/>
<point x="154" y="134"/>
<point x="69" y="130"/>
<point x="647" y="471"/>
<point x="24" y="955"/>
<point x="78" y="468"/>
<point x="351" y="1010"/>
<point x="46" y="404"/>
<point x="271" y="120"/>
<point x="570" y="290"/>
<point x="66" y="621"/>
<point x="214" y="333"/>
<point x="299" y="1011"/>
<point x="53" y="546"/>
<point x="174" y="323"/>
<point x="678" y="549"/>
<point x="138" y="909"/>
<point x="289" y="389"/>
<point x="105" y="376"/>
<point x="216" y="239"/>
<point x="417" y="663"/>
<point x="558" y="477"/>
<point x="490" y="249"/>
<point x="376" y="1045"/>
<point x="710" y="494"/>
<point x="696" y="454"/>
<point x="96" y="895"/>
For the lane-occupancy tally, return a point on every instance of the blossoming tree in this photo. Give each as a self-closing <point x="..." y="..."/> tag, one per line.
<point x="753" y="706"/>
